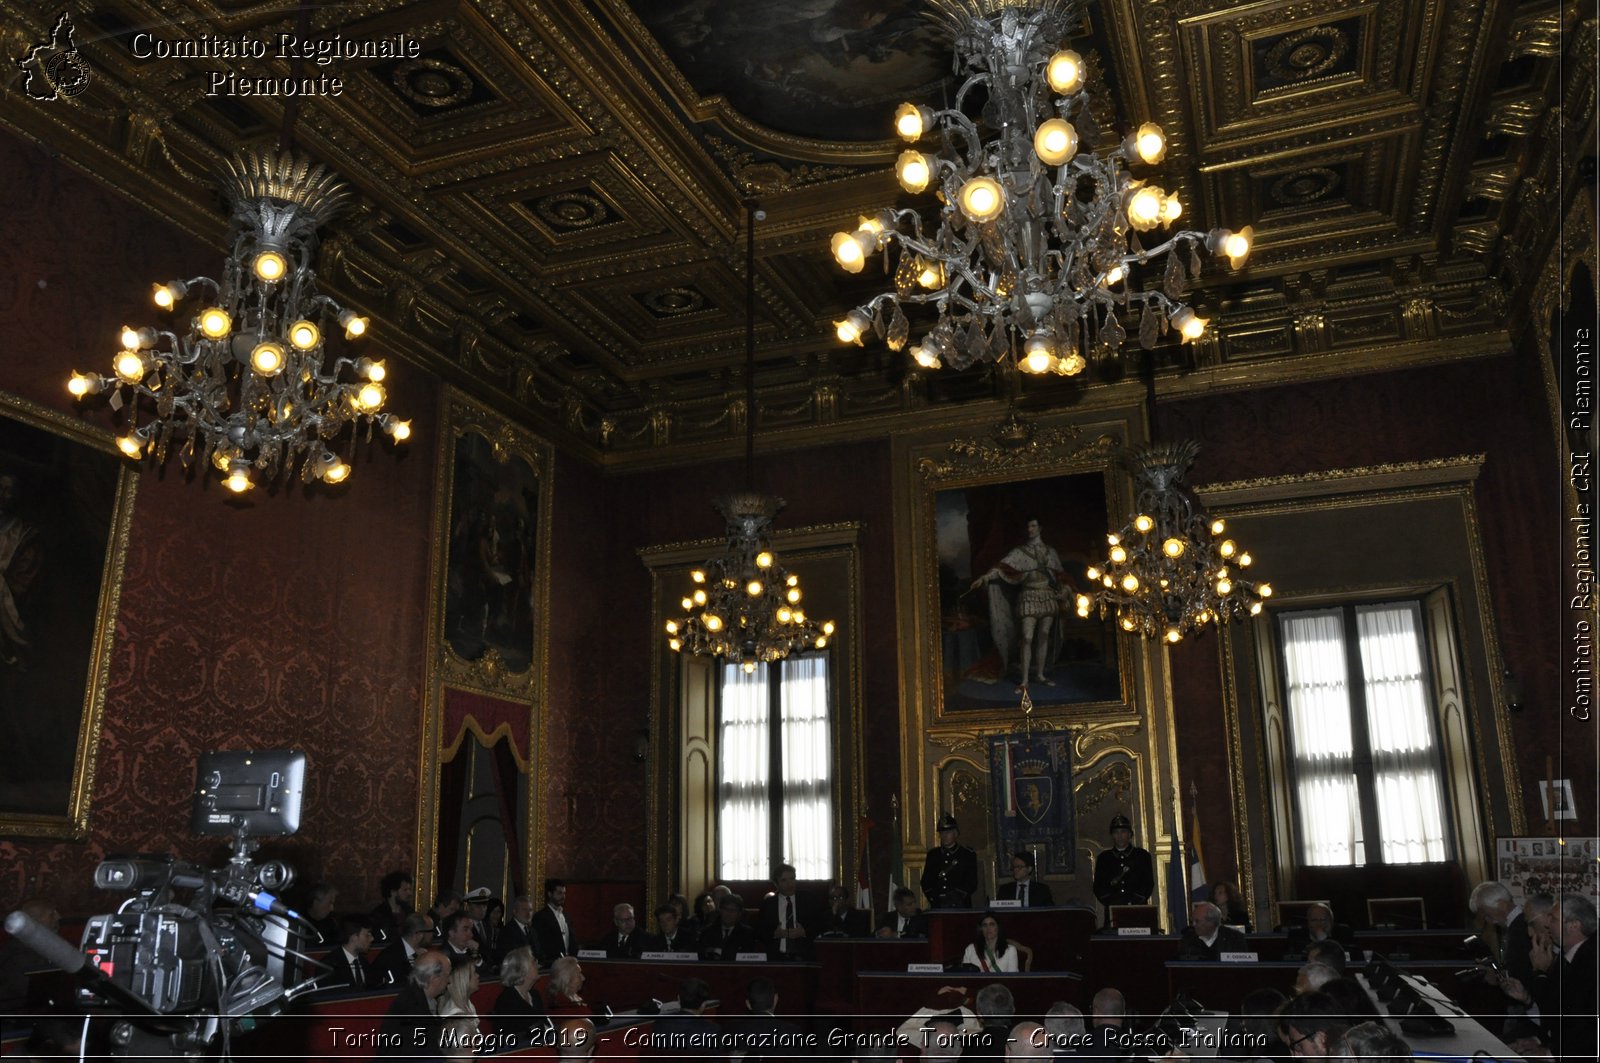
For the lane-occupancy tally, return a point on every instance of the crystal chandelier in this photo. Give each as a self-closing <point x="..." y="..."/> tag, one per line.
<point x="1039" y="247"/>
<point x="247" y="381"/>
<point x="1172" y="569"/>
<point x="744" y="606"/>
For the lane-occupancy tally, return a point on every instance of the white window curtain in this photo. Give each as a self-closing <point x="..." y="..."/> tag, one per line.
<point x="807" y="767"/>
<point x="1319" y="730"/>
<point x="743" y="834"/>
<point x="1399" y="725"/>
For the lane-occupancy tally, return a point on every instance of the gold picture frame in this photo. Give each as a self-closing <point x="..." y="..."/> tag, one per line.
<point x="488" y="617"/>
<point x="65" y="491"/>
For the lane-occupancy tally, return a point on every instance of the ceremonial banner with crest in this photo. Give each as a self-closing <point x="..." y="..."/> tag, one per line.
<point x="1031" y="777"/>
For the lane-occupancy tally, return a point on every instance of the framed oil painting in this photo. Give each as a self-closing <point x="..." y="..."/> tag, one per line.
<point x="66" y="499"/>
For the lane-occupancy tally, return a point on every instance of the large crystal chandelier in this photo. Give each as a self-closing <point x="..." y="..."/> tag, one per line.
<point x="246" y="380"/>
<point x="744" y="606"/>
<point x="1172" y="570"/>
<point x="1040" y="248"/>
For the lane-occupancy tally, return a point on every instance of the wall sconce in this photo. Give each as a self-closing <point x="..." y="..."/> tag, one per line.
<point x="1513" y="690"/>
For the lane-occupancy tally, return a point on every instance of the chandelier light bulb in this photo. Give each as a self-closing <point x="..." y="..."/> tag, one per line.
<point x="137" y="339"/>
<point x="1173" y="547"/>
<point x="1130" y="583"/>
<point x="1235" y="246"/>
<point x="793" y="595"/>
<point x="371" y="396"/>
<point x="911" y="121"/>
<point x="764" y="559"/>
<point x="1224" y="587"/>
<point x="699" y="597"/>
<point x="304" y="335"/>
<point x="1264" y="590"/>
<point x="925" y="358"/>
<point x="982" y="199"/>
<point x="1144" y="522"/>
<point x="785" y="614"/>
<point x="1071" y="365"/>
<point x="1255" y="607"/>
<point x="749" y="667"/>
<point x="1114" y="275"/>
<point x="336" y="471"/>
<point x="1174" y="635"/>
<point x="1128" y="623"/>
<point x="1244" y="560"/>
<point x="1218" y="526"/>
<point x="267" y="358"/>
<point x="354" y="324"/>
<point x="215" y="323"/>
<point x="270" y="266"/>
<point x="130" y="367"/>
<point x="827" y="627"/>
<point x="1065" y="72"/>
<point x="1118" y="555"/>
<point x="167" y="295"/>
<point x="1227" y="548"/>
<point x="131" y="445"/>
<point x="79" y="385"/>
<point x="854" y="325"/>
<point x="822" y="642"/>
<point x="713" y="622"/>
<point x="754" y="588"/>
<point x="913" y="171"/>
<point x="1171" y="209"/>
<point x="1149" y="143"/>
<point x="687" y="603"/>
<point x="1055" y="142"/>
<point x="1144" y="208"/>
<point x="930" y="275"/>
<point x="697" y="576"/>
<point x="238" y="479"/>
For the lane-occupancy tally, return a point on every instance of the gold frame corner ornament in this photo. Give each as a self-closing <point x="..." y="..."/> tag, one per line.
<point x="73" y="825"/>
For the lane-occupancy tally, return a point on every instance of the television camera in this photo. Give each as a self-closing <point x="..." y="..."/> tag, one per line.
<point x="188" y="974"/>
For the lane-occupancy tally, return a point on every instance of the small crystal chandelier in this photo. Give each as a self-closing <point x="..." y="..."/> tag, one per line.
<point x="1172" y="569"/>
<point x="1039" y="245"/>
<point x="744" y="606"/>
<point x="247" y="381"/>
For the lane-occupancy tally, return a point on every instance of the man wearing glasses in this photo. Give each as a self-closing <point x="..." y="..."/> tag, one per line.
<point x="1566" y="994"/>
<point x="1311" y="1024"/>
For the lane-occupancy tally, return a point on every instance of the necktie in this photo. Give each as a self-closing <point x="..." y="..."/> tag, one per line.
<point x="622" y="942"/>
<point x="359" y="979"/>
<point x="788" y="924"/>
<point x="1024" y="897"/>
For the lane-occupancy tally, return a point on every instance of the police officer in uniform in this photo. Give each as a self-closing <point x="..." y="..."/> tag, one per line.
<point x="950" y="875"/>
<point x="1123" y="874"/>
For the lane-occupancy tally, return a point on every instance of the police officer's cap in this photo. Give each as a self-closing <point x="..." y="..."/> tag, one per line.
<point x="947" y="822"/>
<point x="1120" y="823"/>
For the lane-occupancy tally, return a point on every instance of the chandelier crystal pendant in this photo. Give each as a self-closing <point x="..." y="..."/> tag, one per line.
<point x="744" y="607"/>
<point x="247" y="381"/>
<point x="1172" y="570"/>
<point x="1040" y="242"/>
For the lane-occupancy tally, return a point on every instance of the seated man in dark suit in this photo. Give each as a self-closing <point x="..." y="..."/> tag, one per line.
<point x="761" y="1034"/>
<point x="518" y="931"/>
<point x="626" y="942"/>
<point x="1320" y="926"/>
<point x="412" y="1028"/>
<point x="729" y="936"/>
<point x="842" y="919"/>
<point x="1022" y="887"/>
<point x="1206" y="938"/>
<point x="459" y="944"/>
<point x="907" y="920"/>
<point x="349" y="960"/>
<point x="688" y="1032"/>
<point x="781" y="924"/>
<point x="393" y="965"/>
<point x="672" y="936"/>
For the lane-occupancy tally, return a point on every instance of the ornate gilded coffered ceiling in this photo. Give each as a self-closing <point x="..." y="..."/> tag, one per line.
<point x="550" y="191"/>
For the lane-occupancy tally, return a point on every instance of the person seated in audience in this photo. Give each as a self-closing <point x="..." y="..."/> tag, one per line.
<point x="1108" y="1014"/>
<point x="445" y="904"/>
<point x="476" y="904"/>
<point x="459" y="944"/>
<point x="457" y="1038"/>
<point x="1566" y="994"/>
<point x="1064" y="1026"/>
<point x="990" y="951"/>
<point x="457" y="999"/>
<point x="1311" y="1024"/>
<point x="519" y="1015"/>
<point x="518" y="931"/>
<point x="398" y="891"/>
<point x="681" y="903"/>
<point x="687" y="1032"/>
<point x="393" y="965"/>
<point x="321" y="897"/>
<point x="1252" y="1032"/>
<point x="1312" y="976"/>
<point x="553" y="936"/>
<point x="1328" y="952"/>
<point x="705" y="911"/>
<point x="1206" y="938"/>
<point x="1371" y="1042"/>
<point x="760" y="1026"/>
<point x="842" y="919"/>
<point x="576" y="1039"/>
<point x="625" y="942"/>
<point x="907" y="920"/>
<point x="349" y="960"/>
<point x="671" y="934"/>
<point x="1225" y="895"/>
<point x="781" y="924"/>
<point x="1022" y="887"/>
<point x="997" y="1010"/>
<point x="565" y="991"/>
<point x="730" y="936"/>
<point x="1319" y="926"/>
<point x="939" y="1029"/>
<point x="1353" y="1000"/>
<point x="411" y="1026"/>
<point x="1028" y="1041"/>
<point x="494" y="921"/>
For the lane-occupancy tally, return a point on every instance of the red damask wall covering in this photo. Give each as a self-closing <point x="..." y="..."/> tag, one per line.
<point x="294" y="619"/>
